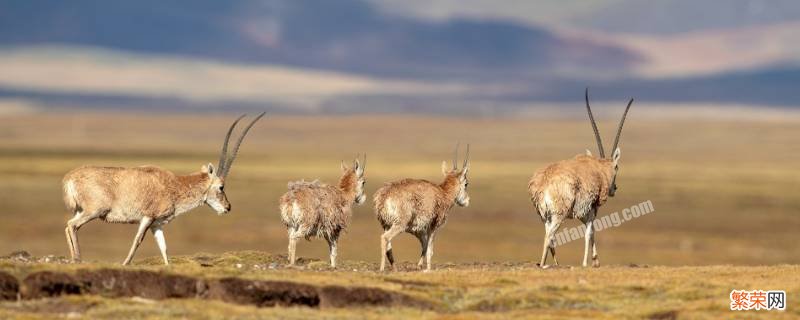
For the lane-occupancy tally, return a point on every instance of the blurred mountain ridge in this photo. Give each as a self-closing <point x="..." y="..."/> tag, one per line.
<point x="442" y="56"/>
<point x="343" y="35"/>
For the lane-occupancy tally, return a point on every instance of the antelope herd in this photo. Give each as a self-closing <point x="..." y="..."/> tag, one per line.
<point x="150" y="196"/>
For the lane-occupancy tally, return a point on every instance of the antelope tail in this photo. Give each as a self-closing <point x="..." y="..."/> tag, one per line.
<point x="70" y="196"/>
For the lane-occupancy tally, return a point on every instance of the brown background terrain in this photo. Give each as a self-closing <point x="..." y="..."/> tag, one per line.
<point x="724" y="190"/>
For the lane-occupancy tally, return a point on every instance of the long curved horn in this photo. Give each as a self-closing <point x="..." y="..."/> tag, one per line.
<point x="238" y="144"/>
<point x="594" y="127"/>
<point x="621" y="122"/>
<point x="466" y="160"/>
<point x="455" y="156"/>
<point x="223" y="156"/>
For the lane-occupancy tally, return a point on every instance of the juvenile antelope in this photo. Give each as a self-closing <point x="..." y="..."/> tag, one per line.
<point x="314" y="209"/>
<point x="575" y="189"/>
<point x="149" y="196"/>
<point x="420" y="207"/>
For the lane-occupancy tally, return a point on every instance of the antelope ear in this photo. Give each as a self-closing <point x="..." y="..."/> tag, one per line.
<point x="357" y="166"/>
<point x="344" y="166"/>
<point x="588" y="153"/>
<point x="445" y="168"/>
<point x="617" y="154"/>
<point x="208" y="169"/>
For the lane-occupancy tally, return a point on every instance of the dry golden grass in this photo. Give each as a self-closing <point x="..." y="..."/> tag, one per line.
<point x="723" y="191"/>
<point x="481" y="290"/>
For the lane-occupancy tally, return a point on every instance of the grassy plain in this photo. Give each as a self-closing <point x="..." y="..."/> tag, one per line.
<point x="724" y="193"/>
<point x="453" y="291"/>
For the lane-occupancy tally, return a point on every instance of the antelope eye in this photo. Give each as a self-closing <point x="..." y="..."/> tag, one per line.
<point x="221" y="188"/>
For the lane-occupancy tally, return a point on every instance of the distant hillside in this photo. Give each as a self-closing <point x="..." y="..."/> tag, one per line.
<point x="653" y="17"/>
<point x="68" y="78"/>
<point x="775" y="86"/>
<point x="678" y="16"/>
<point x="344" y="35"/>
<point x="353" y="56"/>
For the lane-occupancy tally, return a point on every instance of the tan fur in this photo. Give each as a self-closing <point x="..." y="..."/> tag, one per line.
<point x="575" y="189"/>
<point x="418" y="207"/>
<point x="572" y="185"/>
<point x="125" y="195"/>
<point x="314" y="209"/>
<point x="149" y="196"/>
<point x="421" y="204"/>
<point x="571" y="189"/>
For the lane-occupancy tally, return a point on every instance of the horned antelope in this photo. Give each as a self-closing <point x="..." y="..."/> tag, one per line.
<point x="147" y="195"/>
<point x="420" y="208"/>
<point x="575" y="189"/>
<point x="314" y="209"/>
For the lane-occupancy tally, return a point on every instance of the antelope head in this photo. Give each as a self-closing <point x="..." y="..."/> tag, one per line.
<point x="215" y="194"/>
<point x="614" y="161"/>
<point x="356" y="175"/>
<point x="460" y="176"/>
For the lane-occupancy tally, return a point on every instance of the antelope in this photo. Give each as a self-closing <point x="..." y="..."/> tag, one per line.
<point x="147" y="195"/>
<point x="420" y="208"/>
<point x="575" y="189"/>
<point x="314" y="209"/>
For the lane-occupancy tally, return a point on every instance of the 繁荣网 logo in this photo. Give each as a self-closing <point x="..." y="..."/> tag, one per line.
<point x="758" y="300"/>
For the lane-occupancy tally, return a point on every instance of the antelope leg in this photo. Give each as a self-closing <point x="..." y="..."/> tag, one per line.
<point x="143" y="226"/>
<point x="386" y="245"/>
<point x="71" y="231"/>
<point x="429" y="252"/>
<point x="158" y="234"/>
